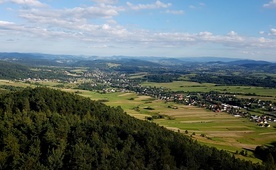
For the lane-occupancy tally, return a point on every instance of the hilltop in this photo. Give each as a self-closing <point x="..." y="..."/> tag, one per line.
<point x="48" y="129"/>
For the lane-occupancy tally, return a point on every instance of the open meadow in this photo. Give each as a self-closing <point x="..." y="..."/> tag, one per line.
<point x="187" y="86"/>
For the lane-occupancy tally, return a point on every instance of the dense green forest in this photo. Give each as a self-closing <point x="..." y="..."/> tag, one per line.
<point x="12" y="71"/>
<point x="162" y="78"/>
<point x="268" y="81"/>
<point x="267" y="154"/>
<point x="48" y="129"/>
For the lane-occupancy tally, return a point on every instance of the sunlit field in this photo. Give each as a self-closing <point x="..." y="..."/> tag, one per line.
<point x="187" y="86"/>
<point x="217" y="129"/>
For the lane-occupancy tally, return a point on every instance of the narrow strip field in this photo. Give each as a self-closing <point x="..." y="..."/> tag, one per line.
<point x="187" y="86"/>
<point x="217" y="129"/>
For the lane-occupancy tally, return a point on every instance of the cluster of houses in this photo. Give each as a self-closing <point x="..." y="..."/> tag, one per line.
<point x="263" y="120"/>
<point x="213" y="102"/>
<point x="115" y="82"/>
<point x="35" y="80"/>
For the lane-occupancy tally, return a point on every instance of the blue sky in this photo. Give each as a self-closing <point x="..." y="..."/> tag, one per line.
<point x="177" y="28"/>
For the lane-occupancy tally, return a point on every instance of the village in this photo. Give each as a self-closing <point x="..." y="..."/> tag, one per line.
<point x="214" y="101"/>
<point x="104" y="82"/>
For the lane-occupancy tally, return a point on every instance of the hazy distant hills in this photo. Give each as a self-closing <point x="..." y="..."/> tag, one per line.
<point x="250" y="62"/>
<point x="36" y="59"/>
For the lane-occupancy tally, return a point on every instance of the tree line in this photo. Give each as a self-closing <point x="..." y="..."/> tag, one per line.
<point x="268" y="81"/>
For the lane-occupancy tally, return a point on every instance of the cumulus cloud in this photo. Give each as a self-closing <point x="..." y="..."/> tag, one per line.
<point x="272" y="31"/>
<point x="261" y="32"/>
<point x="156" y="5"/>
<point x="93" y="11"/>
<point x="5" y="23"/>
<point x="8" y="26"/>
<point x="25" y="2"/>
<point x="175" y="12"/>
<point x="206" y="36"/>
<point x="22" y="30"/>
<point x="76" y="15"/>
<point x="271" y="4"/>
<point x="77" y="24"/>
<point x="262" y="39"/>
<point x="199" y="5"/>
<point x="106" y="1"/>
<point x="232" y="33"/>
<point x="54" y="26"/>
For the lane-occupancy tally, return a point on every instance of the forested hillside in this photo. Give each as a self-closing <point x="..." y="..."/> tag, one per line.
<point x="49" y="129"/>
<point x="12" y="71"/>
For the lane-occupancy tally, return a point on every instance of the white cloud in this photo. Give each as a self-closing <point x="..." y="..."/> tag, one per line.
<point x="156" y="5"/>
<point x="160" y="4"/>
<point x="100" y="46"/>
<point x="74" y="23"/>
<point x="9" y="26"/>
<point x="78" y="25"/>
<point x="93" y="11"/>
<point x="261" y="32"/>
<point x="13" y="29"/>
<point x="205" y="34"/>
<point x="197" y="6"/>
<point x="271" y="4"/>
<point x="55" y="27"/>
<point x="3" y="23"/>
<point x="175" y="12"/>
<point x="106" y="1"/>
<point x="25" y="2"/>
<point x="232" y="33"/>
<point x="272" y="31"/>
<point x="262" y="40"/>
<point x="74" y="15"/>
<point x="106" y="27"/>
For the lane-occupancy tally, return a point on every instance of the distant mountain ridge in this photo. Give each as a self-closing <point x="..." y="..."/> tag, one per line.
<point x="242" y="62"/>
<point x="73" y="60"/>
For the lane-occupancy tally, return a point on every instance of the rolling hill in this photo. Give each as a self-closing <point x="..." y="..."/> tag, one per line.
<point x="48" y="129"/>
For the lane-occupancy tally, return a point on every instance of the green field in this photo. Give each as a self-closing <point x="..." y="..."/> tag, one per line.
<point x="187" y="86"/>
<point x="219" y="128"/>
